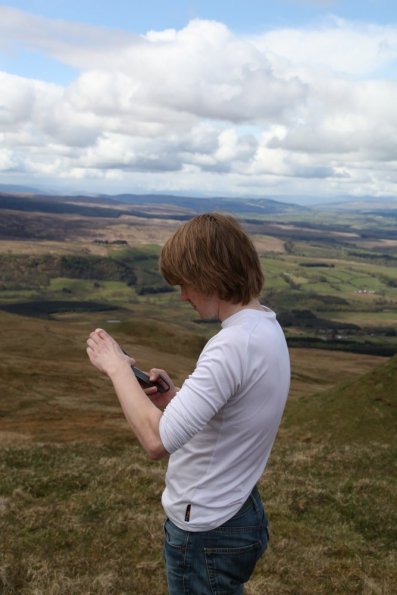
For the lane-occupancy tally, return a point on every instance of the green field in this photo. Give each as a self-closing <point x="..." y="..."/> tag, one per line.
<point x="339" y="291"/>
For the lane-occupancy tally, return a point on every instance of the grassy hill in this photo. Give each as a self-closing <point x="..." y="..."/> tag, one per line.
<point x="362" y="411"/>
<point x="80" y="504"/>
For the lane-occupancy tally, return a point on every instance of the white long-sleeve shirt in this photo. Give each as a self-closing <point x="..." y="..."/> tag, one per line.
<point x="221" y="425"/>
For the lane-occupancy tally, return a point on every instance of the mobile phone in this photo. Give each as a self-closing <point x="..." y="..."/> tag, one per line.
<point x="145" y="381"/>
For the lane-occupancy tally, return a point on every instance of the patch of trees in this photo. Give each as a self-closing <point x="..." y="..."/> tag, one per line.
<point x="95" y="267"/>
<point x="111" y="242"/>
<point x="383" y="331"/>
<point x="150" y="289"/>
<point x="307" y="319"/>
<point x="282" y="301"/>
<point x="381" y="256"/>
<point x="364" y="347"/>
<point x="24" y="271"/>
<point x="45" y="308"/>
<point x="327" y="265"/>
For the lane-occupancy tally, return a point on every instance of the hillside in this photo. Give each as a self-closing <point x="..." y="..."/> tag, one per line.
<point x="80" y="503"/>
<point x="362" y="410"/>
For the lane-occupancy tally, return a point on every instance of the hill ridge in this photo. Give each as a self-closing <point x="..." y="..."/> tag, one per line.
<point x="362" y="410"/>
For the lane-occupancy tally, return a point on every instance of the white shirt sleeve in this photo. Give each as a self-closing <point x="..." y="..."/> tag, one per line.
<point x="217" y="377"/>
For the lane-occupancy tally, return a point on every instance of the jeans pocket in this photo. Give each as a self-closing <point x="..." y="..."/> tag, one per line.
<point x="230" y="567"/>
<point x="174" y="537"/>
<point x="177" y="558"/>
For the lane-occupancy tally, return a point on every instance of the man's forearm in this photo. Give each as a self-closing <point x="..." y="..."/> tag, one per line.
<point x="142" y="415"/>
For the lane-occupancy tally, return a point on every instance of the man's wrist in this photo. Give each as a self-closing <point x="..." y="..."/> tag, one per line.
<point x="122" y="368"/>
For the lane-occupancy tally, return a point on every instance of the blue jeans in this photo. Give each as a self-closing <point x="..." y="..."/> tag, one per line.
<point x="219" y="561"/>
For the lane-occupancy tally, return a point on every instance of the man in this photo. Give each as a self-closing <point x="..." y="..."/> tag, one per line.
<point x="219" y="427"/>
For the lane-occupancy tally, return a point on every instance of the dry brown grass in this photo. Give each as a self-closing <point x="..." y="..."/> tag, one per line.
<point x="80" y="504"/>
<point x="314" y="370"/>
<point x="51" y="392"/>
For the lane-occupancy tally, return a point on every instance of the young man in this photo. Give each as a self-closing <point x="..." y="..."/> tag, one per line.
<point x="219" y="427"/>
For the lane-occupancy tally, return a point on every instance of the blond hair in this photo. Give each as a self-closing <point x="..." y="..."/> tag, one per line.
<point x="213" y="254"/>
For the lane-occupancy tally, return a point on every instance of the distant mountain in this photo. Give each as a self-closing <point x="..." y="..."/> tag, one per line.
<point x="362" y="204"/>
<point x="15" y="188"/>
<point x="135" y="204"/>
<point x="204" y="204"/>
<point x="54" y="205"/>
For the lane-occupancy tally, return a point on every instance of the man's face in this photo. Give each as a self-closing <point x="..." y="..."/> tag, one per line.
<point x="206" y="306"/>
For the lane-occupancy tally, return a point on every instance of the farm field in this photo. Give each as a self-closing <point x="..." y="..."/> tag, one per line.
<point x="331" y="276"/>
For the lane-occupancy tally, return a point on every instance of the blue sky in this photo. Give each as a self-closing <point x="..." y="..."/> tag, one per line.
<point x="289" y="99"/>
<point x="244" y="16"/>
<point x="253" y="16"/>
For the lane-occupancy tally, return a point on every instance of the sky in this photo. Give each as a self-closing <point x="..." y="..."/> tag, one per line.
<point x="294" y="100"/>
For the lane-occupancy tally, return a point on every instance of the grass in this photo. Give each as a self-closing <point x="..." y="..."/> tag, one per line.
<point x="80" y="504"/>
<point x="111" y="291"/>
<point x="88" y="520"/>
<point x="382" y="317"/>
<point x="353" y="412"/>
<point x="344" y="278"/>
<point x="81" y="519"/>
<point x="332" y="489"/>
<point x="332" y="511"/>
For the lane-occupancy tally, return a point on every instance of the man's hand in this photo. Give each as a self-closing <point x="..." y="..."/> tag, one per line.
<point x="161" y="400"/>
<point x="106" y="354"/>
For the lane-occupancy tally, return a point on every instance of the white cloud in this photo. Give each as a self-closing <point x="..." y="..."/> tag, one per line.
<point x="291" y="110"/>
<point x="354" y="49"/>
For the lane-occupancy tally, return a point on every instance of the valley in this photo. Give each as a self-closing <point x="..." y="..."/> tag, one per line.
<point x="80" y="503"/>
